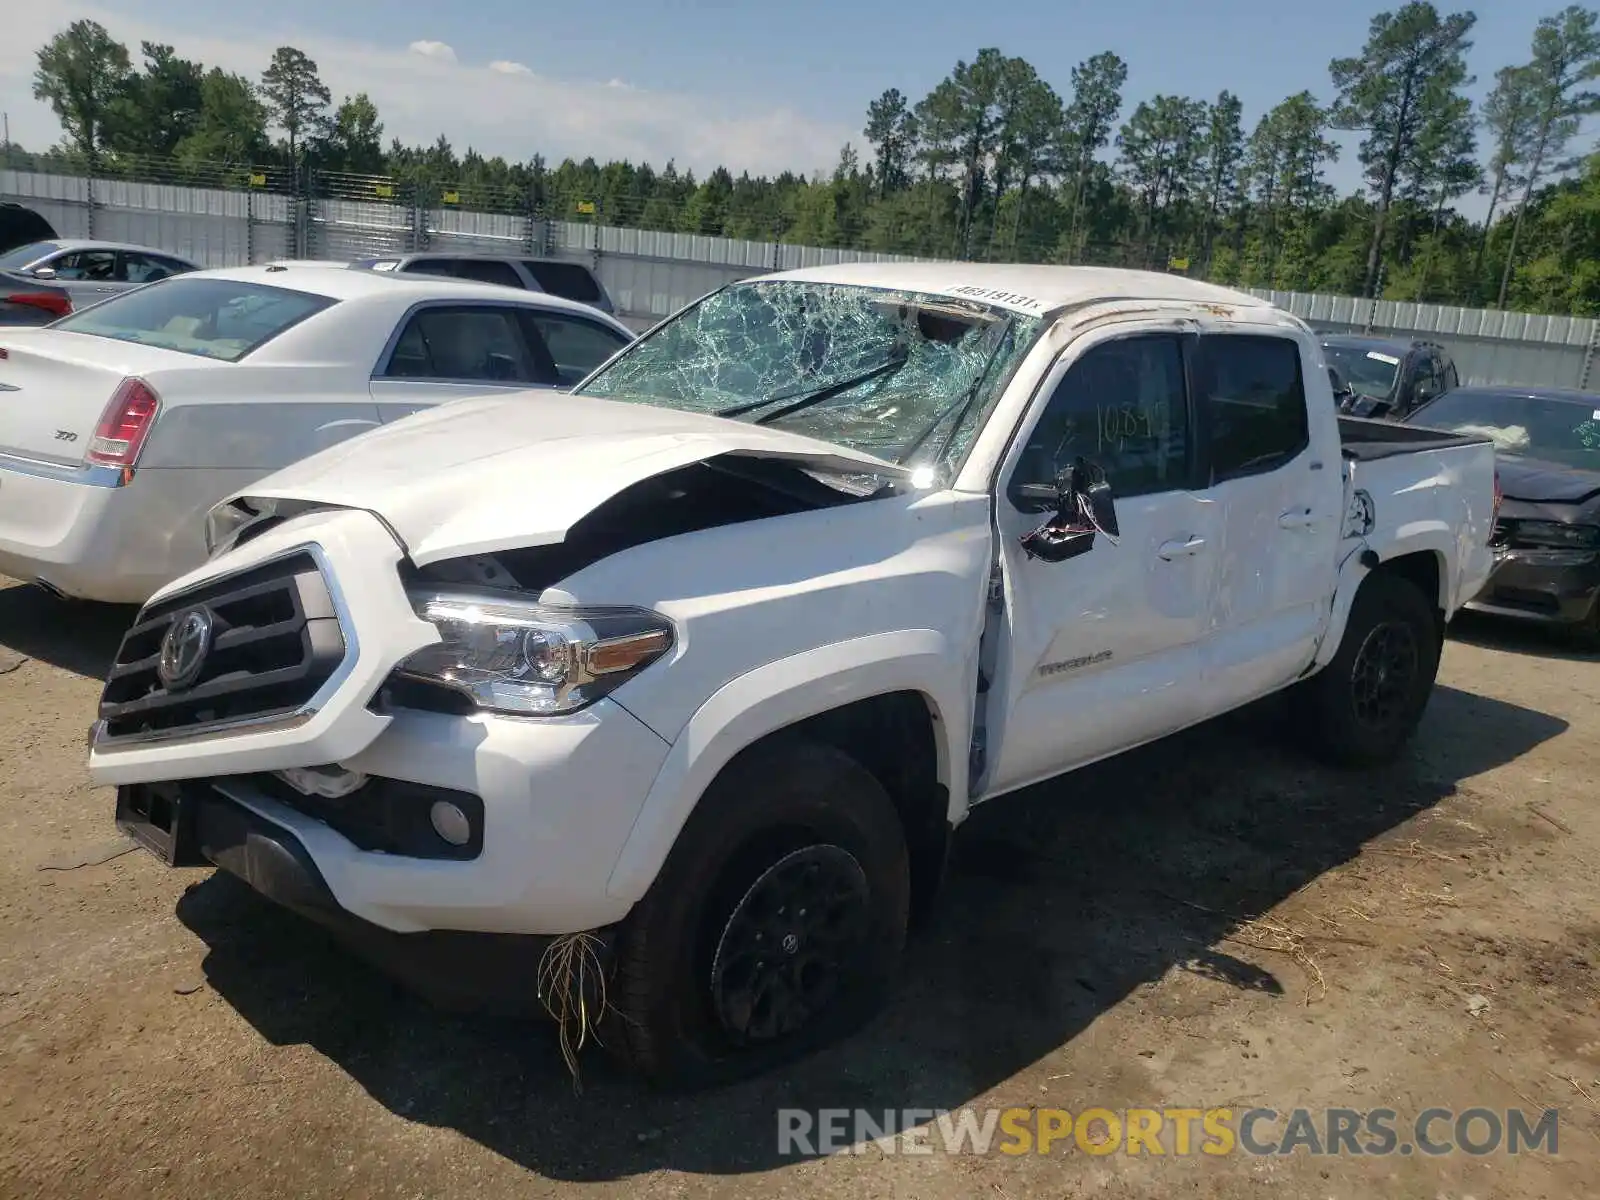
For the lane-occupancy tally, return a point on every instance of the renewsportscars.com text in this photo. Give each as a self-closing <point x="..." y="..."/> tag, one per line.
<point x="1177" y="1132"/>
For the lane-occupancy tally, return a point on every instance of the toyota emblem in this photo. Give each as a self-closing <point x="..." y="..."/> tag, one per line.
<point x="184" y="649"/>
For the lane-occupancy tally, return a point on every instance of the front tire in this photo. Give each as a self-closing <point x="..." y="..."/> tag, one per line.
<point x="775" y="927"/>
<point x="1363" y="707"/>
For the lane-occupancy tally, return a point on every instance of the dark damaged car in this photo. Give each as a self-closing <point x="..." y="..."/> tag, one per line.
<point x="1547" y="538"/>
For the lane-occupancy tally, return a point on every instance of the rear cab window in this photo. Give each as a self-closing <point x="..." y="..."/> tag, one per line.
<point x="209" y="318"/>
<point x="567" y="280"/>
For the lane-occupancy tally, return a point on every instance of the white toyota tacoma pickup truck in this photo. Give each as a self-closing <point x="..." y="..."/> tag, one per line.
<point x="695" y="670"/>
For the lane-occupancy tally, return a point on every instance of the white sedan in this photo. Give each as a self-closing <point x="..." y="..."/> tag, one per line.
<point x="121" y="425"/>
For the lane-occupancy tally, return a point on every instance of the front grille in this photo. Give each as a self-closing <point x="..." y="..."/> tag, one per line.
<point x="1504" y="531"/>
<point x="275" y="641"/>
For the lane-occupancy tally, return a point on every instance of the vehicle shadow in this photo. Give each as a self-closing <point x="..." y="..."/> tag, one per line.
<point x="1061" y="901"/>
<point x="77" y="636"/>
<point x="1519" y="637"/>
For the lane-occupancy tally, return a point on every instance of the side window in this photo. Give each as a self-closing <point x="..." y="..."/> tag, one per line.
<point x="1252" y="397"/>
<point x="1429" y="379"/>
<point x="1122" y="406"/>
<point x="142" y="268"/>
<point x="571" y="280"/>
<point x="95" y="265"/>
<point x="430" y="266"/>
<point x="460" y="343"/>
<point x="575" y="346"/>
<point x="488" y="270"/>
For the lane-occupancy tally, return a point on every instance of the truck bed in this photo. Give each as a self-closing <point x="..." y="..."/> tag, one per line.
<point x="1426" y="491"/>
<point x="1364" y="440"/>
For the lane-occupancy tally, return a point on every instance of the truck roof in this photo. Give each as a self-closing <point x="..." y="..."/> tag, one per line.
<point x="1025" y="287"/>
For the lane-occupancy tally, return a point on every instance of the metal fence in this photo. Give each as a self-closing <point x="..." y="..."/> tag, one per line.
<point x="230" y="216"/>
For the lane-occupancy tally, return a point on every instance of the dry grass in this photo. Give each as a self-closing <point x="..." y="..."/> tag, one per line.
<point x="570" y="972"/>
<point x="1277" y="937"/>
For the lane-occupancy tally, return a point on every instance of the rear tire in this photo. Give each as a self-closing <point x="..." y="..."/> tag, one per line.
<point x="775" y="927"/>
<point x="1364" y="706"/>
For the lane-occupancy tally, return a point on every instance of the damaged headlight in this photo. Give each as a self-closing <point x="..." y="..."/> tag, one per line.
<point x="514" y="656"/>
<point x="1556" y="535"/>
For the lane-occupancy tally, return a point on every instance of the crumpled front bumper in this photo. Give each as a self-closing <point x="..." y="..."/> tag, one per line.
<point x="453" y="969"/>
<point x="1556" y="587"/>
<point x="552" y="799"/>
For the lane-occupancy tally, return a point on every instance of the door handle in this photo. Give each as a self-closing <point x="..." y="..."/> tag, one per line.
<point x="1296" y="518"/>
<point x="1175" y="549"/>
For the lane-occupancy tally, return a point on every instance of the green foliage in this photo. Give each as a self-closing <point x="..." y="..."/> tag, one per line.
<point x="297" y="99"/>
<point x="993" y="163"/>
<point x="1401" y="91"/>
<point x="81" y="74"/>
<point x="232" y="125"/>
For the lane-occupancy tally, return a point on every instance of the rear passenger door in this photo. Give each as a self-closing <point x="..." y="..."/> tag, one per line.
<point x="442" y="352"/>
<point x="1281" y="497"/>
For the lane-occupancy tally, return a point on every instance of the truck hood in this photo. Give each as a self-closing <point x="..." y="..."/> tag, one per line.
<point x="504" y="472"/>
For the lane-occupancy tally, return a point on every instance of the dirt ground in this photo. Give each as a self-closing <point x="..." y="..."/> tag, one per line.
<point x="1212" y="922"/>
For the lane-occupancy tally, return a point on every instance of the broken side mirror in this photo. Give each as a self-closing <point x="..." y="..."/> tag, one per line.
<point x="1081" y="506"/>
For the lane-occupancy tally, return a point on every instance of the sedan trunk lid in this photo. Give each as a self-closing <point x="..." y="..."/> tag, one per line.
<point x="55" y="385"/>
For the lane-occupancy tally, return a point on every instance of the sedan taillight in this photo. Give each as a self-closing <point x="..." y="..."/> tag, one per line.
<point x="124" y="425"/>
<point x="52" y="303"/>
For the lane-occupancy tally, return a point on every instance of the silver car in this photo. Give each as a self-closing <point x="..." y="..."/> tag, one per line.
<point x="63" y="275"/>
<point x="553" y="276"/>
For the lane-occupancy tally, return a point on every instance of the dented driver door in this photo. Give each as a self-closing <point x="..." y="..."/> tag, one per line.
<point x="1103" y="651"/>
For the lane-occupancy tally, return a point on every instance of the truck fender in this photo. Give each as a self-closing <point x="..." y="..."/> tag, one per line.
<point x="780" y="694"/>
<point x="1430" y="536"/>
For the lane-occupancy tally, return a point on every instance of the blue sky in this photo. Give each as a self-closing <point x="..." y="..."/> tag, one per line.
<point x="760" y="86"/>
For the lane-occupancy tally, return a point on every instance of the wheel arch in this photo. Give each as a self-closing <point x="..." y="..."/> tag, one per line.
<point x="1423" y="562"/>
<point x="897" y="702"/>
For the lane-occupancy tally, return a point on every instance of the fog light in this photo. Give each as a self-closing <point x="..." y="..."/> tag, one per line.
<point x="450" y="823"/>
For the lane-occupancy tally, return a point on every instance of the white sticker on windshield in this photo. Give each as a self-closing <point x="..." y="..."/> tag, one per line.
<point x="1595" y="415"/>
<point x="1384" y="358"/>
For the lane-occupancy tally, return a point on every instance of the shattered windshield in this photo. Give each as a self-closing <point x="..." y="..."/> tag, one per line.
<point x="1554" y="430"/>
<point x="899" y="375"/>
